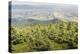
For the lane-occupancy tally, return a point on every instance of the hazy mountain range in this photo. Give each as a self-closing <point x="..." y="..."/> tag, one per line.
<point x="25" y="14"/>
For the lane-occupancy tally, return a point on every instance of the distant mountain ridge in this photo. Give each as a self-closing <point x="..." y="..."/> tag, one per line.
<point x="23" y="21"/>
<point x="27" y="14"/>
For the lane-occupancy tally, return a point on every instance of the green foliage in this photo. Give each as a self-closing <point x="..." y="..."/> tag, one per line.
<point x="58" y="36"/>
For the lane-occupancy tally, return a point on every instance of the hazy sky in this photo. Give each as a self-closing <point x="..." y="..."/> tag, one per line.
<point x="36" y="3"/>
<point x="29" y="3"/>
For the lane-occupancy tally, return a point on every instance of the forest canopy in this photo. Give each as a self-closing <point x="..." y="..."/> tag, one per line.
<point x="39" y="37"/>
